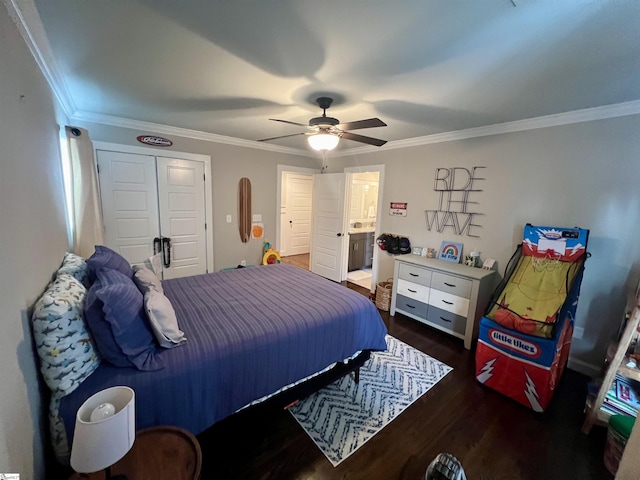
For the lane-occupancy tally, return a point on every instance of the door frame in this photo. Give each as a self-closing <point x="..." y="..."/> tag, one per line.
<point x="289" y="169"/>
<point x="208" y="189"/>
<point x="363" y="169"/>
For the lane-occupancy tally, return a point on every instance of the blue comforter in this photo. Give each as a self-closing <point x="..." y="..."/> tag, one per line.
<point x="249" y="333"/>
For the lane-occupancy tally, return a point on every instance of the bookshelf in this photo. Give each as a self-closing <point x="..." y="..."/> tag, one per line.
<point x="617" y="371"/>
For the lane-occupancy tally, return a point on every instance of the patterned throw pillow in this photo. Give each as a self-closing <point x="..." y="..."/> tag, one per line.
<point x="75" y="266"/>
<point x="65" y="349"/>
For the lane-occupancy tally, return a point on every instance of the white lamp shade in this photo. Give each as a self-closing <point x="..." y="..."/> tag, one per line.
<point x="323" y="141"/>
<point x="101" y="443"/>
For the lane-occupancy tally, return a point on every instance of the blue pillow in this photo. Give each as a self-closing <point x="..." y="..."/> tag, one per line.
<point x="114" y="312"/>
<point x="104" y="257"/>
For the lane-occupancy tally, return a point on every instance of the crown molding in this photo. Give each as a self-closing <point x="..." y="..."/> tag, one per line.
<point x="567" y="118"/>
<point x="158" y="128"/>
<point x="25" y="15"/>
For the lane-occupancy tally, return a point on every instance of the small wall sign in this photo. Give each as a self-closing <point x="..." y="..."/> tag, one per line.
<point x="398" y="209"/>
<point x="154" y="141"/>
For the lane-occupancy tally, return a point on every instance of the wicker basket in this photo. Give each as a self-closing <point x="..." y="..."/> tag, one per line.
<point x="383" y="294"/>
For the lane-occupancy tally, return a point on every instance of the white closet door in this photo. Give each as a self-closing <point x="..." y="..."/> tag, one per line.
<point x="182" y="215"/>
<point x="128" y="186"/>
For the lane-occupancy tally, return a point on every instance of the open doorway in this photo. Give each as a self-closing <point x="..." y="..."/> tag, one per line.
<point x="366" y="187"/>
<point x="293" y="226"/>
<point x="363" y="209"/>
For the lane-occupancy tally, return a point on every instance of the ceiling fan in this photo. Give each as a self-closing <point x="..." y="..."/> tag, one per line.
<point x="325" y="132"/>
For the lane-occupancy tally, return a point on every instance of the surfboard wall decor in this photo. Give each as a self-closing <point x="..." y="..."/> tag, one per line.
<point x="244" y="209"/>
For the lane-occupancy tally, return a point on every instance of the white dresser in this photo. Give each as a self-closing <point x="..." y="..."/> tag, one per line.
<point x="448" y="296"/>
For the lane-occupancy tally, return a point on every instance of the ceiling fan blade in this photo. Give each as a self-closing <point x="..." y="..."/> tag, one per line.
<point x="368" y="123"/>
<point x="282" y="136"/>
<point x="361" y="138"/>
<point x="287" y="121"/>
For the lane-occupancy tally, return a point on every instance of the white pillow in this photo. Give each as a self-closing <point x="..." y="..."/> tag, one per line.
<point x="162" y="318"/>
<point x="146" y="280"/>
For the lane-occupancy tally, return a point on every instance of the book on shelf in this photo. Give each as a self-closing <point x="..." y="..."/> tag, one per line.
<point x="623" y="397"/>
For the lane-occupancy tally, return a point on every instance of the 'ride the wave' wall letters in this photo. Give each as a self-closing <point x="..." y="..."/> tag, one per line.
<point x="455" y="186"/>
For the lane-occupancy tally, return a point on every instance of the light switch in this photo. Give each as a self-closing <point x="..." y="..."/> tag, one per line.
<point x="228" y="218"/>
<point x="256" y="217"/>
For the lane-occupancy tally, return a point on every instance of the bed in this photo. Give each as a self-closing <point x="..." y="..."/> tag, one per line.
<point x="249" y="332"/>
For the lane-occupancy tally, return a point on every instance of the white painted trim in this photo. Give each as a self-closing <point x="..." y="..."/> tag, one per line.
<point x="585" y="368"/>
<point x="184" y="132"/>
<point x="280" y="170"/>
<point x="25" y="15"/>
<point x="376" y="251"/>
<point x="567" y="118"/>
<point x="196" y="157"/>
<point x="159" y="152"/>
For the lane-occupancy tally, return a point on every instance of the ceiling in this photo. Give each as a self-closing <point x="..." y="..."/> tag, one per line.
<point x="424" y="67"/>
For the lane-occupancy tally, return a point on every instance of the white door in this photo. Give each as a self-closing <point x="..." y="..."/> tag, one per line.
<point x="182" y="217"/>
<point x="329" y="232"/>
<point x="128" y="186"/>
<point x="145" y="197"/>
<point x="296" y="213"/>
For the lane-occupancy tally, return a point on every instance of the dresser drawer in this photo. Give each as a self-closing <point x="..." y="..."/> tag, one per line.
<point x="448" y="302"/>
<point x="413" y="290"/>
<point x="448" y="320"/>
<point x="450" y="284"/>
<point x="415" y="274"/>
<point x="409" y="305"/>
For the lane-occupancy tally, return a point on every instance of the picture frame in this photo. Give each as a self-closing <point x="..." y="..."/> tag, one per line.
<point x="450" y="251"/>
<point x="417" y="250"/>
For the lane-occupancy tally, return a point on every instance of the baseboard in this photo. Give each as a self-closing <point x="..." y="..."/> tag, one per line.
<point x="585" y="368"/>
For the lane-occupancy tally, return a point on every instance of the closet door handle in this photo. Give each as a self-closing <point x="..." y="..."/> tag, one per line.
<point x="166" y="252"/>
<point x="157" y="246"/>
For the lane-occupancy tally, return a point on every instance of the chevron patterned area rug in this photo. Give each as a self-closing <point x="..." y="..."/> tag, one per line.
<point x="343" y="416"/>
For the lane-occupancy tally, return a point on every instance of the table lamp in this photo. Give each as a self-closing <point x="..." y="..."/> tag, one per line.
<point x="105" y="430"/>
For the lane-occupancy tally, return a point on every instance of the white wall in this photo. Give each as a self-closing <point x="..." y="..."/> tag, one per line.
<point x="584" y="174"/>
<point x="229" y="164"/>
<point x="33" y="238"/>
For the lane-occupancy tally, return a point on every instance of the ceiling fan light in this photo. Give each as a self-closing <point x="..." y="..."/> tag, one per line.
<point x="323" y="141"/>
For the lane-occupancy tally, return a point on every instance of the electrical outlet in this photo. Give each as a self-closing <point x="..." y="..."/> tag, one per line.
<point x="228" y="218"/>
<point x="256" y="217"/>
<point x="578" y="333"/>
<point x="243" y="263"/>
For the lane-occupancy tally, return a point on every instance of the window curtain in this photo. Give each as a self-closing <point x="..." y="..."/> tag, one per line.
<point x="86" y="207"/>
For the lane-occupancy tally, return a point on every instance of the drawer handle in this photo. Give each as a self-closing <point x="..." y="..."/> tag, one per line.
<point x="410" y="306"/>
<point x="412" y="291"/>
<point x="445" y="319"/>
<point x="449" y="285"/>
<point x="448" y="303"/>
<point x="414" y="274"/>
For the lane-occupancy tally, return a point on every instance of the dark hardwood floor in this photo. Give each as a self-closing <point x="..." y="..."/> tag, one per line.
<point x="494" y="437"/>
